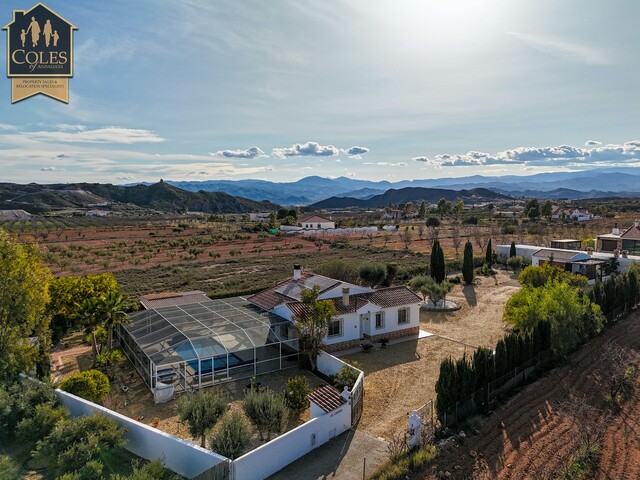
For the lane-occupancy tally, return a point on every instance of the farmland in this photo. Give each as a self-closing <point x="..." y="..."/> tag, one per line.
<point x="535" y="434"/>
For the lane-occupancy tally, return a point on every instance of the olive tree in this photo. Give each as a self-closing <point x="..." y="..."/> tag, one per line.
<point x="202" y="410"/>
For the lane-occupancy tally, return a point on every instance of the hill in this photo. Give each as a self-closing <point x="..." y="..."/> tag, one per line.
<point x="160" y="196"/>
<point x="308" y="190"/>
<point x="412" y="194"/>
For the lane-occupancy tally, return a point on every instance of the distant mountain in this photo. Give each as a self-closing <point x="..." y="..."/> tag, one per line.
<point x="308" y="190"/>
<point x="160" y="196"/>
<point x="565" y="194"/>
<point x="412" y="194"/>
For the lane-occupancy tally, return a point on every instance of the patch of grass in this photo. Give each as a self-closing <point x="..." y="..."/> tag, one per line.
<point x="400" y="466"/>
<point x="473" y="423"/>
<point x="583" y="464"/>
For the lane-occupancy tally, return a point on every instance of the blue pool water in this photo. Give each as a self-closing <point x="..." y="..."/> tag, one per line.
<point x="219" y="362"/>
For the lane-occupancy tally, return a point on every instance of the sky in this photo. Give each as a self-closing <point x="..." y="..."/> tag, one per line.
<point x="368" y="89"/>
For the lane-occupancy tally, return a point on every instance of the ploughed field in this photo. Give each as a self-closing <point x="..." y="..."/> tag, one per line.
<point x="536" y="434"/>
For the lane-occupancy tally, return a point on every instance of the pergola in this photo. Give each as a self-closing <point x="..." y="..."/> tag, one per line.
<point x="199" y="344"/>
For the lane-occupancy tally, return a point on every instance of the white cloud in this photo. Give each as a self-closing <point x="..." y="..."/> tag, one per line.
<point x="252" y="152"/>
<point x="351" y="174"/>
<point x="356" y="151"/>
<point x="51" y="169"/>
<point x="562" y="49"/>
<point x="100" y="135"/>
<point x="4" y="126"/>
<point x="607" y="155"/>
<point x="313" y="149"/>
<point x="420" y="159"/>
<point x="592" y="143"/>
<point x="387" y="164"/>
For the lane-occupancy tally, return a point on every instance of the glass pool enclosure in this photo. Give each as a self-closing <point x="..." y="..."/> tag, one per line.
<point x="199" y="344"/>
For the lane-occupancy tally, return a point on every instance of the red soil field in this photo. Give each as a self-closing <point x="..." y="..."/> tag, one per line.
<point x="532" y="437"/>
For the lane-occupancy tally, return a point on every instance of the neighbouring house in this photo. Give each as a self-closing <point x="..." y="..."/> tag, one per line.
<point x="609" y="242"/>
<point x="626" y="242"/>
<point x="260" y="217"/>
<point x="363" y="313"/>
<point x="568" y="214"/>
<point x="631" y="239"/>
<point x="316" y="222"/>
<point x="571" y="261"/>
<point x="566" y="244"/>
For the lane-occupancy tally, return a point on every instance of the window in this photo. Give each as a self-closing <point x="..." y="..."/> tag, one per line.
<point x="403" y="316"/>
<point x="379" y="319"/>
<point x="335" y="328"/>
<point x="319" y="226"/>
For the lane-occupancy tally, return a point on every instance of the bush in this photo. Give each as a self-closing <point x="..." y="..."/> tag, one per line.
<point x="8" y="468"/>
<point x="266" y="411"/>
<point x="515" y="263"/>
<point x="202" y="410"/>
<point x="295" y="394"/>
<point x="345" y="377"/>
<point x="19" y="401"/>
<point x="232" y="436"/>
<point x="400" y="466"/>
<point x="432" y="222"/>
<point x="153" y="470"/>
<point x="91" y="385"/>
<point x="75" y="442"/>
<point x="41" y="423"/>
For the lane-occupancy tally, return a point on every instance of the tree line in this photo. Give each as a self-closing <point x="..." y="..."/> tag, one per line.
<point x="553" y="313"/>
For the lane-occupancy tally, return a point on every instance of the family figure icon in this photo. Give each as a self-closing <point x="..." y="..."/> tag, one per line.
<point x="47" y="31"/>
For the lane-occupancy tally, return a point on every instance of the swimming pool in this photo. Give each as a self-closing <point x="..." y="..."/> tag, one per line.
<point x="219" y="362"/>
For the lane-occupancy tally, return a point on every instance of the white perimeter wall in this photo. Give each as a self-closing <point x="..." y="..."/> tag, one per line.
<point x="281" y="451"/>
<point x="147" y="442"/>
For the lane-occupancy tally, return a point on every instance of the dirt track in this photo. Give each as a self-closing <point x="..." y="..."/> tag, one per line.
<point x="529" y="439"/>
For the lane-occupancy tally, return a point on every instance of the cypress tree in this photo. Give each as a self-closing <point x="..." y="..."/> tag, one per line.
<point x="467" y="263"/>
<point x="437" y="262"/>
<point x="446" y="387"/>
<point x="489" y="255"/>
<point x="512" y="250"/>
<point x="501" y="359"/>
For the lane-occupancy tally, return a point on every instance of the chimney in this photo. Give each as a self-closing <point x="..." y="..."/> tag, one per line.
<point x="297" y="272"/>
<point x="615" y="230"/>
<point x="345" y="295"/>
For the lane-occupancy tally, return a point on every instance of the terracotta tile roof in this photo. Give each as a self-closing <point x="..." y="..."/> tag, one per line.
<point x="631" y="233"/>
<point x="327" y="398"/>
<point x="315" y="219"/>
<point x="355" y="303"/>
<point x="383" y="297"/>
<point x="271" y="297"/>
<point x="392" y="297"/>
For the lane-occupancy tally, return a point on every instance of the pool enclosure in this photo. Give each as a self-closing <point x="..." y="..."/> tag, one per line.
<point x="199" y="344"/>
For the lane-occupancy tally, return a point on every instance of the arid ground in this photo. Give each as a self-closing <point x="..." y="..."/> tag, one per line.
<point x="536" y="434"/>
<point x="402" y="377"/>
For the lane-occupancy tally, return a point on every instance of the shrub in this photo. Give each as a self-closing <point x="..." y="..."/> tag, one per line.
<point x="8" y="468"/>
<point x="41" y="423"/>
<point x="400" y="466"/>
<point x="75" y="442"/>
<point x="345" y="377"/>
<point x="19" y="401"/>
<point x="266" y="411"/>
<point x="232" y="436"/>
<point x="432" y="222"/>
<point x="515" y="263"/>
<point x="202" y="410"/>
<point x="295" y="394"/>
<point x="91" y="385"/>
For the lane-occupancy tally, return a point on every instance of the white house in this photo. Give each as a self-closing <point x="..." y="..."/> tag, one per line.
<point x="316" y="222"/>
<point x="574" y="214"/>
<point x="363" y="313"/>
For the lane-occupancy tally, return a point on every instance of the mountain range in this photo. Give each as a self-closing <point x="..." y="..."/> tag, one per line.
<point x="310" y="190"/>
<point x="36" y="198"/>
<point x="414" y="195"/>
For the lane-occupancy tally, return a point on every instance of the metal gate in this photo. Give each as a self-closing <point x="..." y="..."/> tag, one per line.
<point x="357" y="397"/>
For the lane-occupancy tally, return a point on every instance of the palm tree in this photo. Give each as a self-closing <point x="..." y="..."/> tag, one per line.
<point x="89" y="314"/>
<point x="113" y="312"/>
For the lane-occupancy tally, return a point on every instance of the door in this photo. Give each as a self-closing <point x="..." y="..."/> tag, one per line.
<point x="364" y="325"/>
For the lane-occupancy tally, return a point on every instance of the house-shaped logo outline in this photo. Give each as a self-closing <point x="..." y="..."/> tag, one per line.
<point x="7" y="27"/>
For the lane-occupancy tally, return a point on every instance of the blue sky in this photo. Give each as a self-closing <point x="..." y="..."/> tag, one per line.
<point x="278" y="90"/>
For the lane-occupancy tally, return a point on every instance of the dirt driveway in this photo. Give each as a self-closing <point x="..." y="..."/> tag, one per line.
<point x="403" y="377"/>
